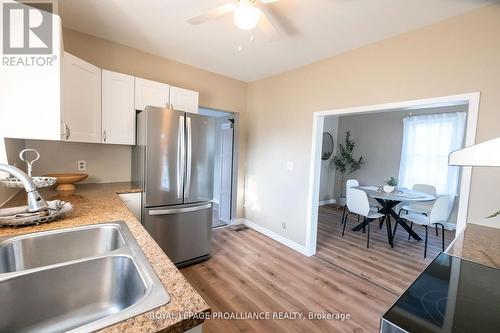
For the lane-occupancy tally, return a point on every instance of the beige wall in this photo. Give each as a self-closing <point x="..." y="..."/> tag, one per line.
<point x="460" y="55"/>
<point x="216" y="91"/>
<point x="105" y="163"/>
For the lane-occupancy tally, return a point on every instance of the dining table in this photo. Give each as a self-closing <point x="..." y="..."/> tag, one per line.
<point x="388" y="202"/>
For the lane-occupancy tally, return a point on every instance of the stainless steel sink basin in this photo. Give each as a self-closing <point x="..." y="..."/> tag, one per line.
<point x="81" y="280"/>
<point x="47" y="248"/>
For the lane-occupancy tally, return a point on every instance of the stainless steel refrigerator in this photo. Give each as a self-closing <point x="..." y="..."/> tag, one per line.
<point x="173" y="163"/>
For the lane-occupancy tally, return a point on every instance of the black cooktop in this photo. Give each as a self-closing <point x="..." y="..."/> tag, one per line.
<point x="451" y="295"/>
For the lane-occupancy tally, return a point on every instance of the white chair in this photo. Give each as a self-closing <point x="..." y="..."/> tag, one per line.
<point x="350" y="183"/>
<point x="422" y="207"/>
<point x="357" y="203"/>
<point x="437" y="216"/>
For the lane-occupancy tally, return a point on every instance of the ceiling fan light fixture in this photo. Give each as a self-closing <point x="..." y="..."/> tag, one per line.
<point x="246" y="16"/>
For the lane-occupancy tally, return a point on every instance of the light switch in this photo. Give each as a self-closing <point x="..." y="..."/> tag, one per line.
<point x="290" y="165"/>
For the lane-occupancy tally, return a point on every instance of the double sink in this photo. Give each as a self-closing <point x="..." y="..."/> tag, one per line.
<point x="78" y="279"/>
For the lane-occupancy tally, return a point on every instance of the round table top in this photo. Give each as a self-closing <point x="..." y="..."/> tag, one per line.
<point x="400" y="195"/>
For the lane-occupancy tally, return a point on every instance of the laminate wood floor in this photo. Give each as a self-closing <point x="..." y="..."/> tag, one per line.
<point x="249" y="272"/>
<point x="391" y="268"/>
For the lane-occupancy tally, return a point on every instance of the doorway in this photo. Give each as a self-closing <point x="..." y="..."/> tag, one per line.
<point x="224" y="166"/>
<point x="470" y="100"/>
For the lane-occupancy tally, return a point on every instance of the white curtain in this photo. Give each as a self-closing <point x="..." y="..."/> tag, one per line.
<point x="427" y="142"/>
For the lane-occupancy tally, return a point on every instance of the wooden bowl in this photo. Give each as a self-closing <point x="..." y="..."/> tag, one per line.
<point x="66" y="181"/>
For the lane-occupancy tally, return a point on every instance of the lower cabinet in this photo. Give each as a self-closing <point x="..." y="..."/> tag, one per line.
<point x="133" y="203"/>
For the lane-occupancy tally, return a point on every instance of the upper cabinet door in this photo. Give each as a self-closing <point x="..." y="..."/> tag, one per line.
<point x="151" y="93"/>
<point x="184" y="99"/>
<point x="118" y="112"/>
<point x="81" y="100"/>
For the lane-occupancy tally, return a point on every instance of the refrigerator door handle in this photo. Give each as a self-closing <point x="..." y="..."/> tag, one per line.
<point x="180" y="157"/>
<point x="189" y="156"/>
<point x="179" y="210"/>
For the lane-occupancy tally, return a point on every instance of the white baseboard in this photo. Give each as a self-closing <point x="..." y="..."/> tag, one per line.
<point x="280" y="239"/>
<point x="327" y="202"/>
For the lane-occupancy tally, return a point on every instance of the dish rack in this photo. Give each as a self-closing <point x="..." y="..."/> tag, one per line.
<point x="39" y="182"/>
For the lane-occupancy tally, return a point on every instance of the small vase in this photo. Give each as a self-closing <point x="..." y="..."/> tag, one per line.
<point x="389" y="189"/>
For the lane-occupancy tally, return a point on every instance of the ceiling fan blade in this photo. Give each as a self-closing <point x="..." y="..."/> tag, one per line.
<point x="212" y="14"/>
<point x="268" y="27"/>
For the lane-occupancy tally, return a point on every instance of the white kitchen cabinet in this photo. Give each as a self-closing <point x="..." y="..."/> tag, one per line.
<point x="81" y="100"/>
<point x="133" y="203"/>
<point x="118" y="111"/>
<point x="184" y="99"/>
<point x="30" y="99"/>
<point x="151" y="93"/>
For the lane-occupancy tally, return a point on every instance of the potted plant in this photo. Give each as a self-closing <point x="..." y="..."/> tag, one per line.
<point x="346" y="163"/>
<point x="391" y="182"/>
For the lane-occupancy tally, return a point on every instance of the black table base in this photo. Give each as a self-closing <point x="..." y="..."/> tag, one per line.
<point x="388" y="211"/>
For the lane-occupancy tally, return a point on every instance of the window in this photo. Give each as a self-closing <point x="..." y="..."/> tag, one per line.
<point x="427" y="142"/>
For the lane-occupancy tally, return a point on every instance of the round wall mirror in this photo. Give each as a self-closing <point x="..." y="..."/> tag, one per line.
<point x="327" y="149"/>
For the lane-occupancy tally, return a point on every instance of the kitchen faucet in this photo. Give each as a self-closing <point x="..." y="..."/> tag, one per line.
<point x="35" y="200"/>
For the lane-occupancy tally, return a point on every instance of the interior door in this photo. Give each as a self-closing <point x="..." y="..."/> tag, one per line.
<point x="226" y="172"/>
<point x="200" y="140"/>
<point x="165" y="157"/>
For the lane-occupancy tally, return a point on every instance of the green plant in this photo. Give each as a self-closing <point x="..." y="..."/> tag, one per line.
<point x="345" y="162"/>
<point x="392" y="181"/>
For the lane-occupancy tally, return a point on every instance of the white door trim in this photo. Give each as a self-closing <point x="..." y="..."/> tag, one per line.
<point x="226" y="126"/>
<point x="471" y="99"/>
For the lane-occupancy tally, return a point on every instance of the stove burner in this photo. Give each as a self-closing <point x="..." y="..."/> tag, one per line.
<point x="434" y="304"/>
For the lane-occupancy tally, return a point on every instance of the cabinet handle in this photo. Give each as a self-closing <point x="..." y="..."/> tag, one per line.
<point x="68" y="132"/>
<point x="104" y="136"/>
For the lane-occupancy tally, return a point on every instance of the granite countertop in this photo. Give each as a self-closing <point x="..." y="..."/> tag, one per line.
<point x="98" y="203"/>
<point x="478" y="243"/>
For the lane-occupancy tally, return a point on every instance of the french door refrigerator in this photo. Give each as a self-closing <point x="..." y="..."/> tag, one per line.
<point x="173" y="164"/>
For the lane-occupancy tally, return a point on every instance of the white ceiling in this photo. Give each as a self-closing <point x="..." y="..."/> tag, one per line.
<point x="316" y="29"/>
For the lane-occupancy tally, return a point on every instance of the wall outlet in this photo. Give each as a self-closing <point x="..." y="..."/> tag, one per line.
<point x="283" y="224"/>
<point x="290" y="165"/>
<point x="82" y="165"/>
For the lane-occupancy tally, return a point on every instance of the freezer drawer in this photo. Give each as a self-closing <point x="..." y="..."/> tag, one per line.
<point x="183" y="232"/>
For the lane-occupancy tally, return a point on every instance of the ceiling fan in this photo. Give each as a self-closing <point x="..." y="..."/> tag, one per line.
<point x="247" y="15"/>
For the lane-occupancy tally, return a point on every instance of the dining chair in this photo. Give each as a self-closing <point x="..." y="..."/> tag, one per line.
<point x="437" y="216"/>
<point x="357" y="203"/>
<point x="422" y="207"/>
<point x="350" y="183"/>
